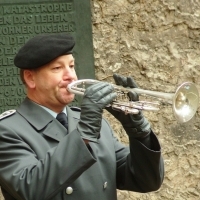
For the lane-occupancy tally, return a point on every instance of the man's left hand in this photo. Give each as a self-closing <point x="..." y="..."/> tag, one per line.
<point x="135" y="125"/>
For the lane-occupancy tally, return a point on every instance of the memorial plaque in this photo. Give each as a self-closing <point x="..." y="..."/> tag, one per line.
<point x="20" y="20"/>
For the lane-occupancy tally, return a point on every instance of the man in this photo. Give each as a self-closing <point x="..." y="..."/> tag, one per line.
<point x="42" y="159"/>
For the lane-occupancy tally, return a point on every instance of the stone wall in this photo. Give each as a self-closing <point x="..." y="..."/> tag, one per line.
<point x="158" y="43"/>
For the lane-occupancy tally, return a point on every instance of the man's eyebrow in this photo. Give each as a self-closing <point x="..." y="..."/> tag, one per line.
<point x="72" y="61"/>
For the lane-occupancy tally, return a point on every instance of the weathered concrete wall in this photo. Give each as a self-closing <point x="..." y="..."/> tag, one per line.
<point x="158" y="43"/>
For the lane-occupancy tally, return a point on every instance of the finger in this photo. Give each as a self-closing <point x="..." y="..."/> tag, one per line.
<point x="97" y="88"/>
<point x="94" y="88"/>
<point x="131" y="83"/>
<point x="101" y="93"/>
<point x="133" y="96"/>
<point x="106" y="100"/>
<point x="116" y="79"/>
<point x="120" y="80"/>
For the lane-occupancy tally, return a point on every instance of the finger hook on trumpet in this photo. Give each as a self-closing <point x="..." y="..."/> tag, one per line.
<point x="184" y="101"/>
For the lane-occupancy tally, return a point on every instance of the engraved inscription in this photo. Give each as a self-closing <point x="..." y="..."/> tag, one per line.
<point x="18" y="23"/>
<point x="36" y="8"/>
<point x="38" y="18"/>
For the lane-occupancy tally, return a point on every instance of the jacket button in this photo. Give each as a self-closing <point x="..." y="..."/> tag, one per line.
<point x="105" y="185"/>
<point x="69" y="190"/>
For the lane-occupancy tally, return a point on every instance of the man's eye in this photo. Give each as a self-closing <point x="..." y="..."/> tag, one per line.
<point x="56" y="68"/>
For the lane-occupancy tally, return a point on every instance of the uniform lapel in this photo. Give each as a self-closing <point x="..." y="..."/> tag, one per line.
<point x="41" y="120"/>
<point x="55" y="131"/>
<point x="44" y="122"/>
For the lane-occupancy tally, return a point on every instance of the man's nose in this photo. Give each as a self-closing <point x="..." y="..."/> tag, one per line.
<point x="69" y="72"/>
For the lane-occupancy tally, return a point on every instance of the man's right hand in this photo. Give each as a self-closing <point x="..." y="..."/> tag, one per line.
<point x="95" y="99"/>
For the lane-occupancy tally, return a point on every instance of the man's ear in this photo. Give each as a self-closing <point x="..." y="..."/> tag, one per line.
<point x="29" y="78"/>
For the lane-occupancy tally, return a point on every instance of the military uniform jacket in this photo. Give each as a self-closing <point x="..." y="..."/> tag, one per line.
<point x="39" y="161"/>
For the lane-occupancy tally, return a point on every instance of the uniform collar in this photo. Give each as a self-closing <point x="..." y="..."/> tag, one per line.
<point x="54" y="114"/>
<point x="39" y="118"/>
<point x="31" y="112"/>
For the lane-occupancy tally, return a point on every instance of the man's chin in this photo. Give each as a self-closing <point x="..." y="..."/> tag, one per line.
<point x="69" y="99"/>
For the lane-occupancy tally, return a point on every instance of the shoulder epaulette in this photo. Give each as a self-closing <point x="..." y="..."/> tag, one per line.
<point x="7" y="113"/>
<point x="75" y="108"/>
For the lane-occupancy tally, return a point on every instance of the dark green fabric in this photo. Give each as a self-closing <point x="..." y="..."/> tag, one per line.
<point x="38" y="160"/>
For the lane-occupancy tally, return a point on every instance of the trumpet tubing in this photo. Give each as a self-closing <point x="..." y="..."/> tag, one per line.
<point x="184" y="101"/>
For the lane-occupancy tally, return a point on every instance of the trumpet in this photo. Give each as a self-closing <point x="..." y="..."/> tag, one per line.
<point x="184" y="101"/>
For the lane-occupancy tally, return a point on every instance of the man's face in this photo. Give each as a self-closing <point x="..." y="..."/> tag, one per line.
<point x="50" y="83"/>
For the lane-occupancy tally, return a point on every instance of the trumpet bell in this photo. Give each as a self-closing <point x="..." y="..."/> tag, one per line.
<point x="185" y="102"/>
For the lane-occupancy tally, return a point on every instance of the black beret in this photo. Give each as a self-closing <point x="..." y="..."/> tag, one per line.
<point x="42" y="49"/>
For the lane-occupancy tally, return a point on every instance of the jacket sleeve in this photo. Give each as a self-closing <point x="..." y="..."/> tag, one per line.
<point x="139" y="169"/>
<point x="24" y="176"/>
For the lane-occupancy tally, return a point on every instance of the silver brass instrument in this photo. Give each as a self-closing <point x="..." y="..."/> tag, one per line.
<point x="184" y="101"/>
